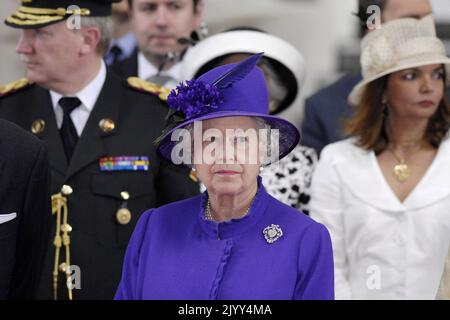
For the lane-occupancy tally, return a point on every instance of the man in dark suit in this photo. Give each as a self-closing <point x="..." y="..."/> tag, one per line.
<point x="24" y="211"/>
<point x="99" y="129"/>
<point x="326" y="110"/>
<point x="158" y="25"/>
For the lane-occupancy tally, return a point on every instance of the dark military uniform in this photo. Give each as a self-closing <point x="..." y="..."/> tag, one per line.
<point x="124" y="123"/>
<point x="25" y="216"/>
<point x="113" y="175"/>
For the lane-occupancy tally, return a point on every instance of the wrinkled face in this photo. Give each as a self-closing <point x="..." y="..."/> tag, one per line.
<point x="236" y="163"/>
<point x="50" y="53"/>
<point x="159" y="23"/>
<point x="395" y="9"/>
<point x="415" y="93"/>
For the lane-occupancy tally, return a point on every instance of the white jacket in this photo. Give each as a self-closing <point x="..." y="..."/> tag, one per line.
<point x="444" y="288"/>
<point x="383" y="248"/>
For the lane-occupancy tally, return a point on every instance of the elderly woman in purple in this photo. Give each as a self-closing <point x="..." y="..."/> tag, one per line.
<point x="234" y="241"/>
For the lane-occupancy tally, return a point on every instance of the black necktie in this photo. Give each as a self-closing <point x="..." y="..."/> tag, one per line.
<point x="68" y="132"/>
<point x="116" y="54"/>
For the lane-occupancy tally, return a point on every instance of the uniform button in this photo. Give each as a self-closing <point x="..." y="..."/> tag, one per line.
<point x="107" y="125"/>
<point x="125" y="195"/>
<point x="38" y="126"/>
<point x="123" y="216"/>
<point x="66" y="190"/>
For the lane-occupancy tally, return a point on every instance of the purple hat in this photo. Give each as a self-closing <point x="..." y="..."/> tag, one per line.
<point x="227" y="91"/>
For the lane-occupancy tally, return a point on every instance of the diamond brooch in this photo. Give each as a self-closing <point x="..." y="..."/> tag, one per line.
<point x="272" y="233"/>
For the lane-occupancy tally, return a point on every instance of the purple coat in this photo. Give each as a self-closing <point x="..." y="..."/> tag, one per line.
<point x="175" y="253"/>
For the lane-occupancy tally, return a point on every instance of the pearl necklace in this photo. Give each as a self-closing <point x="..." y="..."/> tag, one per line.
<point x="210" y="217"/>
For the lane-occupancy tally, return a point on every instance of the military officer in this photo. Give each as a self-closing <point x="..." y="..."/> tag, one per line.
<point x="99" y="130"/>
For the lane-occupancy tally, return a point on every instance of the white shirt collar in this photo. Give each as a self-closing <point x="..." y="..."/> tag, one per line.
<point x="146" y="69"/>
<point x="89" y="94"/>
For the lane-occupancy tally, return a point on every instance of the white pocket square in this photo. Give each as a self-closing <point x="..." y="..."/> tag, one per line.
<point x="7" y="217"/>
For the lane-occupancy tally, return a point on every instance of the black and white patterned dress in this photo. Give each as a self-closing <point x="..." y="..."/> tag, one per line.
<point x="289" y="180"/>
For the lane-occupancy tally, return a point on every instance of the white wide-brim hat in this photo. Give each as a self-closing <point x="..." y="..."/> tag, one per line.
<point x="251" y="42"/>
<point x="398" y="45"/>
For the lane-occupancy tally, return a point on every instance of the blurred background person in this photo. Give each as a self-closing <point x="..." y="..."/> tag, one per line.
<point x="158" y="25"/>
<point x="383" y="193"/>
<point x="326" y="110"/>
<point x="283" y="65"/>
<point x="25" y="214"/>
<point x="123" y="42"/>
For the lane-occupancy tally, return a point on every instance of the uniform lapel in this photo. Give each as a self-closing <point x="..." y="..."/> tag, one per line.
<point x="90" y="146"/>
<point x="44" y="110"/>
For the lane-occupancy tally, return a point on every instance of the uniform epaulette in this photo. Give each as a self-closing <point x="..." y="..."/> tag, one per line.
<point x="155" y="89"/>
<point x="14" y="86"/>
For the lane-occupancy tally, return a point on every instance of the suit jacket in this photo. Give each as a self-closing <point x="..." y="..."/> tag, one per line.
<point x="383" y="248"/>
<point x="98" y="239"/>
<point x="24" y="211"/>
<point x="326" y="111"/>
<point x="127" y="67"/>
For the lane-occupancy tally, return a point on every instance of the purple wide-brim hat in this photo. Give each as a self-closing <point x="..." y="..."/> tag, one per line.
<point x="232" y="90"/>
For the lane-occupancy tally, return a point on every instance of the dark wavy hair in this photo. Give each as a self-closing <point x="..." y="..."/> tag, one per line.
<point x="368" y="124"/>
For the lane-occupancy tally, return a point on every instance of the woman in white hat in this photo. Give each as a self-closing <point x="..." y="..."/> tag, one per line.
<point x="384" y="193"/>
<point x="288" y="180"/>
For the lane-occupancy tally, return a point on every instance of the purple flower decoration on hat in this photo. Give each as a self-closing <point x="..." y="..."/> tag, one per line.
<point x="194" y="97"/>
